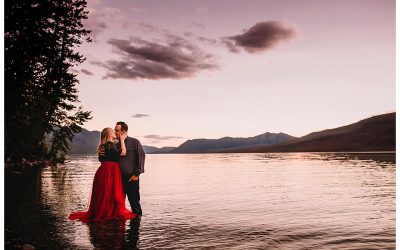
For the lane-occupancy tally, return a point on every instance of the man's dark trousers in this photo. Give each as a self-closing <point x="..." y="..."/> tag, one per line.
<point x="131" y="189"/>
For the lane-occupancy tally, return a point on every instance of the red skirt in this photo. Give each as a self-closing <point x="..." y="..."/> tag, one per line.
<point x="108" y="198"/>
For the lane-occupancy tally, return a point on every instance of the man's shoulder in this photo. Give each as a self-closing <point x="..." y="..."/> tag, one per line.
<point x="132" y="140"/>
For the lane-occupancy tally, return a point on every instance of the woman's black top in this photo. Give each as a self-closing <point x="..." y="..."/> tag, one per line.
<point x="112" y="152"/>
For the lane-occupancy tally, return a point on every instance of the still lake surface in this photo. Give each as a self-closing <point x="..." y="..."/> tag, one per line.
<point x="219" y="201"/>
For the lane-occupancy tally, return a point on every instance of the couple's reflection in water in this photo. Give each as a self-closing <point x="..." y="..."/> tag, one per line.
<point x="115" y="234"/>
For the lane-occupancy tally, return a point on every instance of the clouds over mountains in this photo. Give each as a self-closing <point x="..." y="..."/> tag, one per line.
<point x="170" y="56"/>
<point x="173" y="58"/>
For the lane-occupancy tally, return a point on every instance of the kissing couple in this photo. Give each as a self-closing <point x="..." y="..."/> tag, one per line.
<point x="122" y="161"/>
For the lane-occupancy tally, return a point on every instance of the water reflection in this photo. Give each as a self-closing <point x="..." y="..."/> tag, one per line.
<point x="109" y="234"/>
<point x="379" y="157"/>
<point x="112" y="235"/>
<point x="235" y="201"/>
<point x="132" y="234"/>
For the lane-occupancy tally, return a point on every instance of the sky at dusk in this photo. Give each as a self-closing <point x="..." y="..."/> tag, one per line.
<point x="179" y="70"/>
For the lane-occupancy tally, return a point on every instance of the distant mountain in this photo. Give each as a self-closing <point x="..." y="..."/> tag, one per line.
<point x="165" y="149"/>
<point x="228" y="143"/>
<point x="155" y="150"/>
<point x="150" y="149"/>
<point x="86" y="142"/>
<point x="377" y="133"/>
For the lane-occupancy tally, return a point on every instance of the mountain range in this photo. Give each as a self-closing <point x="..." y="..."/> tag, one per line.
<point x="230" y="143"/>
<point x="377" y="133"/>
<point x="85" y="142"/>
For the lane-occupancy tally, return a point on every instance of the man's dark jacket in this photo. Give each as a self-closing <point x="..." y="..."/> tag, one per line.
<point x="133" y="162"/>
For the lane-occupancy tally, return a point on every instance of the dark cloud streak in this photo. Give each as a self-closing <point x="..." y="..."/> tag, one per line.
<point x="260" y="37"/>
<point x="198" y="25"/>
<point x="140" y="116"/>
<point x="87" y="72"/>
<point x="159" y="137"/>
<point x="202" y="39"/>
<point x="175" y="58"/>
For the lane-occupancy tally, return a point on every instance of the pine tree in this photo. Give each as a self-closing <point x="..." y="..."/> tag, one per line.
<point x="41" y="96"/>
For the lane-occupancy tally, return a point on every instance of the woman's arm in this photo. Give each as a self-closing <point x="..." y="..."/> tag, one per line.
<point x="123" y="147"/>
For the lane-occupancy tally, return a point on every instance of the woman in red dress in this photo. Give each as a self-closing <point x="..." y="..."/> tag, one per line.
<point x="108" y="200"/>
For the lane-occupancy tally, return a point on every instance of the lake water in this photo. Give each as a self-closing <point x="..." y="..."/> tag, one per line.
<point x="218" y="201"/>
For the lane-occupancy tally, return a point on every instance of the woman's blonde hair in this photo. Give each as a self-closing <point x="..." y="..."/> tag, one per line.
<point x="103" y="138"/>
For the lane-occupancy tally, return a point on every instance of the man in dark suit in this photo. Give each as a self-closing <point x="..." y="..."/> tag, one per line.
<point x="131" y="166"/>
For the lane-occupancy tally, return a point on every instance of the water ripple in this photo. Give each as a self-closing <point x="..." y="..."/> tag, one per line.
<point x="221" y="201"/>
